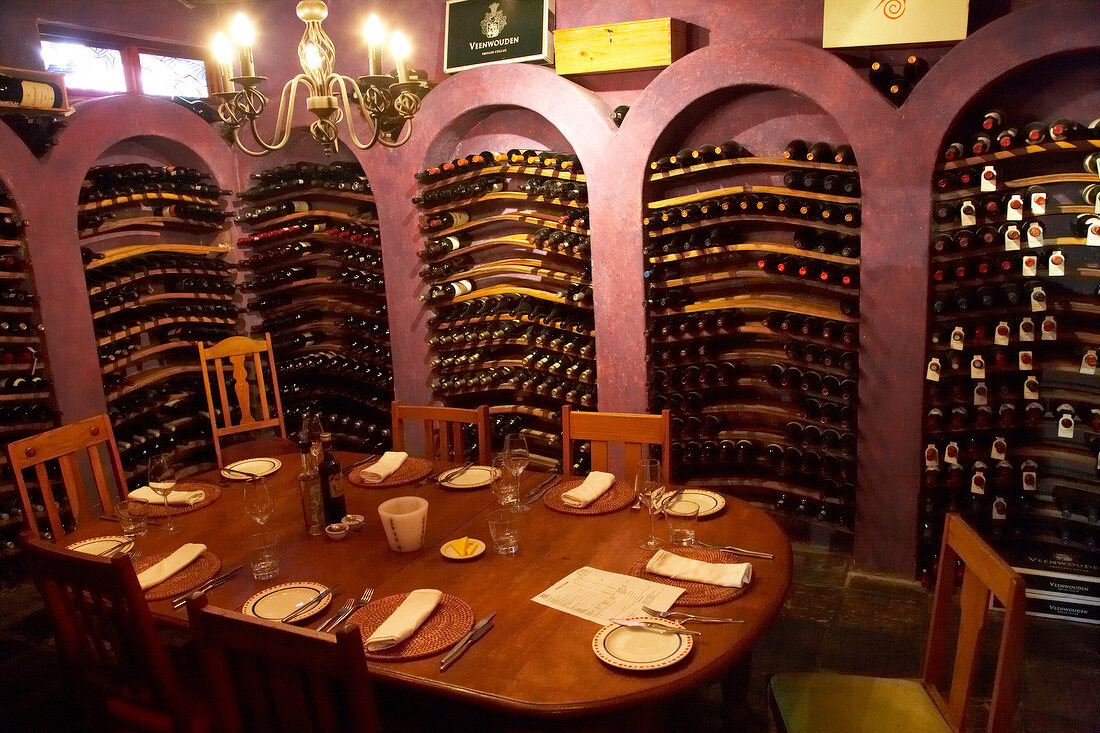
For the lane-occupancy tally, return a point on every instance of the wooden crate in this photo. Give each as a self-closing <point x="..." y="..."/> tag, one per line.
<point x="639" y="44"/>
<point x="42" y="76"/>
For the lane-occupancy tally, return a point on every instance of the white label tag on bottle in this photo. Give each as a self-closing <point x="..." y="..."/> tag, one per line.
<point x="931" y="457"/>
<point x="1000" y="508"/>
<point x="951" y="454"/>
<point x="999" y="448"/>
<point x="1048" y="331"/>
<point x="1092" y="236"/>
<point x="957" y="337"/>
<point x="1015" y="210"/>
<point x="981" y="394"/>
<point x="977" y="483"/>
<point x="1029" y="481"/>
<point x="968" y="214"/>
<point x="1025" y="361"/>
<point x="1027" y="330"/>
<point x="1012" y="238"/>
<point x="977" y="367"/>
<point x="1056" y="265"/>
<point x="1034" y="236"/>
<point x="1030" y="265"/>
<point x="1039" y="203"/>
<point x="988" y="179"/>
<point x="1031" y="388"/>
<point x="1001" y="334"/>
<point x="1088" y="362"/>
<point x="1065" y="426"/>
<point x="932" y="374"/>
<point x="1038" y="300"/>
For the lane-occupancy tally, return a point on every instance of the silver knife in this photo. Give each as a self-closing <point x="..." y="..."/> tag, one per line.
<point x="312" y="603"/>
<point x="665" y="504"/>
<point x="455" y="473"/>
<point x="543" y="488"/>
<point x="653" y="626"/>
<point x="481" y="628"/>
<point x="241" y="473"/>
<point x="214" y="582"/>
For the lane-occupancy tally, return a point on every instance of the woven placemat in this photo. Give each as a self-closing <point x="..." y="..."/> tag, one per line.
<point x="212" y="493"/>
<point x="450" y="621"/>
<point x="619" y="496"/>
<point x="205" y="567"/>
<point x="413" y="469"/>
<point x="695" y="594"/>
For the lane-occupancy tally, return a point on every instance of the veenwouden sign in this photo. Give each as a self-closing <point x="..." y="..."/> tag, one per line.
<point x="480" y="32"/>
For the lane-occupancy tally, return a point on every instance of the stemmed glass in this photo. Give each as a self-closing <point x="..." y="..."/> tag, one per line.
<point x="516" y="458"/>
<point x="162" y="479"/>
<point x="257" y="499"/>
<point x="649" y="491"/>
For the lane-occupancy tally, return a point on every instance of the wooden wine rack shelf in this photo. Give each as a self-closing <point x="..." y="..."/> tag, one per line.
<point x="141" y="198"/>
<point x="521" y="217"/>
<point x="760" y="218"/>
<point x="501" y="196"/>
<point x="506" y="170"/>
<point x="772" y="247"/>
<point x="717" y="166"/>
<point x="1062" y="146"/>
<point x="313" y="193"/>
<point x="148" y="222"/>
<point x="717" y="193"/>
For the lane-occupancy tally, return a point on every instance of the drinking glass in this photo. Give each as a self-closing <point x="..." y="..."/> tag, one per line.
<point x="516" y="458"/>
<point x="162" y="479"/>
<point x="682" y="517"/>
<point x="257" y="499"/>
<point x="133" y="517"/>
<point x="504" y="529"/>
<point x="505" y="490"/>
<point x="649" y="489"/>
<point x="263" y="555"/>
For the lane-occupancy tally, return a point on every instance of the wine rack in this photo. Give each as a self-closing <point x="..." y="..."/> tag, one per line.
<point x="507" y="269"/>
<point x="27" y="404"/>
<point x="154" y="251"/>
<point x="752" y="283"/>
<point x="314" y="277"/>
<point x="1012" y="405"/>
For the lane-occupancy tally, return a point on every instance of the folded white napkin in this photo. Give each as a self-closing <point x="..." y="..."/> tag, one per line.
<point x="405" y="619"/>
<point x="592" y="488"/>
<point x="381" y="469"/>
<point x="176" y="498"/>
<point x="731" y="575"/>
<point x="170" y="565"/>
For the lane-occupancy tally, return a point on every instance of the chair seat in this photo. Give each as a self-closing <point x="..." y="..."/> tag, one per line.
<point x="836" y="703"/>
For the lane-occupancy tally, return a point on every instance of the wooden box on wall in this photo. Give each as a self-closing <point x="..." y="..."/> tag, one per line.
<point x="639" y="44"/>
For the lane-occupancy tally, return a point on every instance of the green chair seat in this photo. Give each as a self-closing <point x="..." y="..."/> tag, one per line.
<point x="836" y="703"/>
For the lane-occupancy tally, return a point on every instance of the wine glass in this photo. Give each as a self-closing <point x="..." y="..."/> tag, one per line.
<point x="257" y="499"/>
<point x="649" y="489"/>
<point x="162" y="479"/>
<point x="516" y="458"/>
<point x="506" y="492"/>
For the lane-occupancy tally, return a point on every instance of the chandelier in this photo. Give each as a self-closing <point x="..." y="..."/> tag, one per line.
<point x="386" y="104"/>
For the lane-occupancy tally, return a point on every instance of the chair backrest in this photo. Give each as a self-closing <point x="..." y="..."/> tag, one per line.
<point x="269" y="676"/>
<point x="107" y="641"/>
<point x="443" y="430"/>
<point x="635" y="432"/>
<point x="255" y="402"/>
<point x="92" y="436"/>
<point x="984" y="572"/>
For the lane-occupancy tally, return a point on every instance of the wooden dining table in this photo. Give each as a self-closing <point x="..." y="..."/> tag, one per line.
<point x="536" y="669"/>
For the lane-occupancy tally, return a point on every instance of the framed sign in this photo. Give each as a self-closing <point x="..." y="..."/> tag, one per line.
<point x="884" y="22"/>
<point x="481" y="32"/>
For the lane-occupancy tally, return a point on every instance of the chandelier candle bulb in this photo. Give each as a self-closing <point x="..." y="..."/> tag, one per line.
<point x="223" y="53"/>
<point x="375" y="38"/>
<point x="243" y="37"/>
<point x="399" y="45"/>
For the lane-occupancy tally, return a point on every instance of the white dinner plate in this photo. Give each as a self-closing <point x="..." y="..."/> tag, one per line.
<point x="708" y="501"/>
<point x="629" y="647"/>
<point x="473" y="477"/>
<point x="100" y="545"/>
<point x="254" y="466"/>
<point x="279" y="601"/>
<point x="449" y="551"/>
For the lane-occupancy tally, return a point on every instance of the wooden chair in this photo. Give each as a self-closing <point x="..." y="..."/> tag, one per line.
<point x="107" y="643"/>
<point x="65" y="445"/>
<point x="600" y="429"/>
<point x="443" y="430"/>
<point x="268" y="676"/>
<point x="248" y="385"/>
<point x="824" y="703"/>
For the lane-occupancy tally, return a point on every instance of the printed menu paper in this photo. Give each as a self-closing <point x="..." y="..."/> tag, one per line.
<point x="598" y="595"/>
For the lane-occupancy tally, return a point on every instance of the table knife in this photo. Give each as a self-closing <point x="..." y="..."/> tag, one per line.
<point x="543" y="488"/>
<point x="241" y="473"/>
<point x="455" y="473"/>
<point x="653" y="626"/>
<point x="115" y="520"/>
<point x="208" y="585"/>
<point x="481" y="628"/>
<point x="312" y="603"/>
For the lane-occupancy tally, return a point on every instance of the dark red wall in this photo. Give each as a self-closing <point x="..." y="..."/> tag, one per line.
<point x="757" y="72"/>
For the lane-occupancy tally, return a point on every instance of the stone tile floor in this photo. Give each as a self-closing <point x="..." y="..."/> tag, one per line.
<point x="835" y="618"/>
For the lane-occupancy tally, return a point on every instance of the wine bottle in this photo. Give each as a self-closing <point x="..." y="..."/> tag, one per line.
<point x="27" y="93"/>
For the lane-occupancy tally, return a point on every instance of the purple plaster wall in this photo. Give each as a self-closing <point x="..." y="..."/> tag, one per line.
<point x="756" y="71"/>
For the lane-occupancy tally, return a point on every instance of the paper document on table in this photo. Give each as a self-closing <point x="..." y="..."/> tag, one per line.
<point x="598" y="595"/>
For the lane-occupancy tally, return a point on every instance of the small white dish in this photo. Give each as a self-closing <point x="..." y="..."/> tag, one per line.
<point x="100" y="545"/>
<point x="337" y="531"/>
<point x="708" y="502"/>
<point x="472" y="478"/>
<point x="451" y="552"/>
<point x="638" y="649"/>
<point x="354" y="522"/>
<point x="253" y="466"/>
<point x="279" y="601"/>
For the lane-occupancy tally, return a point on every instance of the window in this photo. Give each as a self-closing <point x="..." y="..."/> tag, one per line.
<point x="96" y="64"/>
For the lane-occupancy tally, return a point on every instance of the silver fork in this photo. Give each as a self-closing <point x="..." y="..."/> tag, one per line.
<point x="346" y="608"/>
<point x="691" y="617"/>
<point x="344" y="613"/>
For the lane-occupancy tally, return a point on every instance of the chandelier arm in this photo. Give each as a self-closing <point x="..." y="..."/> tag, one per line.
<point x="338" y="80"/>
<point x="286" y="117"/>
<point x="406" y="132"/>
<point x="244" y="148"/>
